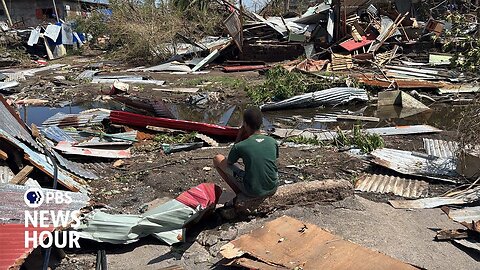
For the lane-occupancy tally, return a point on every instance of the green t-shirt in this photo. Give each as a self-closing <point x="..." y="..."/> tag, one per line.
<point x="259" y="154"/>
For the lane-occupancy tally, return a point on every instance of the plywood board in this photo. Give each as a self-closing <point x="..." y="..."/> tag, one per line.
<point x="290" y="243"/>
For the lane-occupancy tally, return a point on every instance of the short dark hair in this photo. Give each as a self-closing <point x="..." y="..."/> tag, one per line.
<point x="253" y="118"/>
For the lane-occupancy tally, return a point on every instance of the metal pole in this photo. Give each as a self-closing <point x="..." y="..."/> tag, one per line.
<point x="56" y="11"/>
<point x="7" y="13"/>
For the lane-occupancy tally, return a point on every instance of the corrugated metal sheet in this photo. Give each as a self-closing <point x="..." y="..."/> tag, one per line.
<point x="11" y="124"/>
<point x="86" y="75"/>
<point x="12" y="205"/>
<point x="75" y="168"/>
<point x="332" y="97"/>
<point x="12" y="221"/>
<point x="318" y="134"/>
<point x="411" y="163"/>
<point x="465" y="197"/>
<point x="40" y="161"/>
<point x="34" y="71"/>
<point x="12" y="244"/>
<point x="67" y="148"/>
<point x="466" y="214"/>
<point x="137" y="120"/>
<point x="5" y="173"/>
<point x="57" y="134"/>
<point x="440" y="148"/>
<point x="403" y="130"/>
<point x="76" y="120"/>
<point x="165" y="222"/>
<point x="391" y="184"/>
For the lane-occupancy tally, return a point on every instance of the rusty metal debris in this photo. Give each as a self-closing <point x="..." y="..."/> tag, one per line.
<point x="285" y="234"/>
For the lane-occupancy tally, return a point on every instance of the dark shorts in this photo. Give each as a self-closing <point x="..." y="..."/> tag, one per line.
<point x="237" y="175"/>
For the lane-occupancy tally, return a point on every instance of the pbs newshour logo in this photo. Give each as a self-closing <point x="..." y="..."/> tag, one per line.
<point x="34" y="197"/>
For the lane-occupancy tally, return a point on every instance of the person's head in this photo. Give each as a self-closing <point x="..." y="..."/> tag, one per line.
<point x="253" y="119"/>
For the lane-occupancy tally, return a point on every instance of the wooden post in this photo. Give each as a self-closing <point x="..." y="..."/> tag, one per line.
<point x="7" y="13"/>
<point x="21" y="177"/>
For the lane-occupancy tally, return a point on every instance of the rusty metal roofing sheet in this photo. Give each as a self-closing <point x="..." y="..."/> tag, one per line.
<point x="5" y="172"/>
<point x="464" y="197"/>
<point x="411" y="163"/>
<point x="76" y="120"/>
<point x="403" y="130"/>
<point x="293" y="244"/>
<point x="391" y="184"/>
<point x="40" y="161"/>
<point x="12" y="205"/>
<point x="440" y="148"/>
<point x="11" y="123"/>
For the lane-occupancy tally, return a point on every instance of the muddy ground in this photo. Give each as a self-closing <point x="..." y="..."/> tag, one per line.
<point x="366" y="219"/>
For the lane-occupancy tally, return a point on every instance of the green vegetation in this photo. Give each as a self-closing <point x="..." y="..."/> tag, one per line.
<point x="281" y="84"/>
<point x="142" y="31"/>
<point x="174" y="139"/>
<point x="304" y="140"/>
<point x="358" y="138"/>
<point x="464" y="42"/>
<point x="216" y="82"/>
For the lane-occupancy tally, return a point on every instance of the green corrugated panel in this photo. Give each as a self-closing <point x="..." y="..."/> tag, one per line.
<point x="165" y="222"/>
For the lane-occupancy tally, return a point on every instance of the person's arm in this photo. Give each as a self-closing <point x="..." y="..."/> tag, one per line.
<point x="241" y="134"/>
<point x="233" y="155"/>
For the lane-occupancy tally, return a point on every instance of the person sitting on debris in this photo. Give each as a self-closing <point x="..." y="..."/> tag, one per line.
<point x="258" y="153"/>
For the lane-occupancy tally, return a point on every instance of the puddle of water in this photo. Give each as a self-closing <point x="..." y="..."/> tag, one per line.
<point x="443" y="116"/>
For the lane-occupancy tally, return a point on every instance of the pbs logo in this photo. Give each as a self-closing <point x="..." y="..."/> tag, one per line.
<point x="33" y="197"/>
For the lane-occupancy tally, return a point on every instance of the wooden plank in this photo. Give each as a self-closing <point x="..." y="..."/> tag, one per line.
<point x="21" y="177"/>
<point x="3" y="155"/>
<point x="178" y="90"/>
<point x="358" y="118"/>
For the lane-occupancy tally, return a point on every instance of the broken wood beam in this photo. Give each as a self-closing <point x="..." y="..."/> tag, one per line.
<point x="21" y="177"/>
<point x="301" y="193"/>
<point x="3" y="155"/>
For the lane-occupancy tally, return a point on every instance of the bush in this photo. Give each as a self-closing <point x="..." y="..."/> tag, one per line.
<point x="364" y="141"/>
<point x="143" y="31"/>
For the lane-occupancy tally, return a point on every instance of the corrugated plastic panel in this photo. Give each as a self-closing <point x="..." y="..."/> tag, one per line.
<point x="391" y="184"/>
<point x="411" y="163"/>
<point x="12" y="205"/>
<point x="40" y="161"/>
<point x="440" y="148"/>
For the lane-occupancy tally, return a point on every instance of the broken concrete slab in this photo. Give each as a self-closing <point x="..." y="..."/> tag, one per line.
<point x="399" y="98"/>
